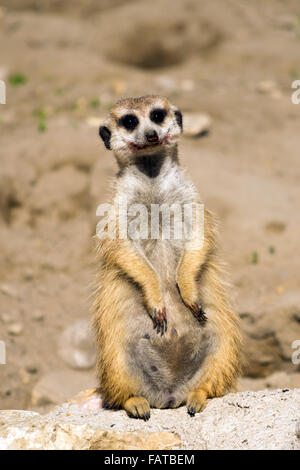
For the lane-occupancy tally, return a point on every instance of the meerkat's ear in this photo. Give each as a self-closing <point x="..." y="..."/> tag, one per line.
<point x="178" y="116"/>
<point x="105" y="135"/>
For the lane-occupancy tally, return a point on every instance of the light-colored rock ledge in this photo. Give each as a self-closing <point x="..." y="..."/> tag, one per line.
<point x="247" y="420"/>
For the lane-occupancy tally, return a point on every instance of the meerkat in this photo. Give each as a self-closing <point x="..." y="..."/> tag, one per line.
<point x="164" y="324"/>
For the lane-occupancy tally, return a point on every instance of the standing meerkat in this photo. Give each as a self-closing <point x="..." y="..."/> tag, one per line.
<point x="164" y="324"/>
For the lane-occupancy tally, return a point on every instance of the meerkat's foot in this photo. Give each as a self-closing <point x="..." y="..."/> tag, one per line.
<point x="159" y="318"/>
<point x="196" y="402"/>
<point x="137" y="407"/>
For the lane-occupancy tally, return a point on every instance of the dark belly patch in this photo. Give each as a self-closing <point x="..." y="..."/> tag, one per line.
<point x="164" y="365"/>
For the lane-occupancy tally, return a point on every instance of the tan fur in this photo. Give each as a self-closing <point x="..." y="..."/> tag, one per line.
<point x="136" y="281"/>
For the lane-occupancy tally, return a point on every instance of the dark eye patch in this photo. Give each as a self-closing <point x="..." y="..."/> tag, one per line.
<point x="129" y="121"/>
<point x="178" y="116"/>
<point x="158" y="115"/>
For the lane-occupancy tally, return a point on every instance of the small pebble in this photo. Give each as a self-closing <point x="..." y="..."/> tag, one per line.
<point x="32" y="369"/>
<point x="15" y="329"/>
<point x="37" y="315"/>
<point x="76" y="346"/>
<point x="269" y="87"/>
<point x="6" y="317"/>
<point x="28" y="275"/>
<point x="9" y="290"/>
<point x="196" y="124"/>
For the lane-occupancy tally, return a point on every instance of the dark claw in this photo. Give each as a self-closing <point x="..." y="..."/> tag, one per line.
<point x="160" y="321"/>
<point x="191" y="411"/>
<point x="198" y="313"/>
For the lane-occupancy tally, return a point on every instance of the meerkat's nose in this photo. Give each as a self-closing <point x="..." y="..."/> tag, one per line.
<point x="151" y="136"/>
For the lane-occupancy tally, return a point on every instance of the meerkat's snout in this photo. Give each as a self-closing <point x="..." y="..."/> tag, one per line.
<point x="151" y="137"/>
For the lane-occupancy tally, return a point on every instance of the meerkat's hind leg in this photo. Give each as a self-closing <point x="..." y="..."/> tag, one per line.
<point x="137" y="407"/>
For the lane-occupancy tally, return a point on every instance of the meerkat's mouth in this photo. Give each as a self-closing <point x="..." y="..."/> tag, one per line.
<point x="149" y="145"/>
<point x="136" y="147"/>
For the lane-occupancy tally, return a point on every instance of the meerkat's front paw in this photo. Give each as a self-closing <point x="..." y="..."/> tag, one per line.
<point x="196" y="402"/>
<point x="198" y="312"/>
<point x="156" y="309"/>
<point x="159" y="318"/>
<point x="189" y="298"/>
<point x="137" y="407"/>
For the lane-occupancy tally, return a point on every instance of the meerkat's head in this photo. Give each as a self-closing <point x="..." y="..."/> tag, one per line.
<point x="148" y="125"/>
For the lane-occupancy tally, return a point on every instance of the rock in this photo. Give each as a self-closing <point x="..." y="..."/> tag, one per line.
<point x="15" y="329"/>
<point x="32" y="368"/>
<point x="196" y="124"/>
<point x="269" y="87"/>
<point x="248" y="420"/>
<point x="6" y="317"/>
<point x="9" y="290"/>
<point x="57" y="386"/>
<point x="37" y="315"/>
<point x="77" y="346"/>
<point x="28" y="274"/>
<point x="28" y="430"/>
<point x="266" y="86"/>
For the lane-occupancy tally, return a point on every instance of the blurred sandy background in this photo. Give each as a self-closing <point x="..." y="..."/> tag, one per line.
<point x="65" y="63"/>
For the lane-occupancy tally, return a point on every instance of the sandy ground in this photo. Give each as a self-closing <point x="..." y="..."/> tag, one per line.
<point x="65" y="67"/>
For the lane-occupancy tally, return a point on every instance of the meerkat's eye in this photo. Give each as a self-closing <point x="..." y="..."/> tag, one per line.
<point x="129" y="121"/>
<point x="158" y="115"/>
